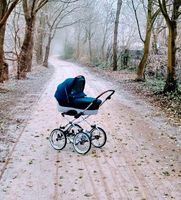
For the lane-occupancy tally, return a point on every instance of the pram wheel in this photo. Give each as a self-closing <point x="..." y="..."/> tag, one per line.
<point x="58" y="139"/>
<point x="98" y="137"/>
<point x="72" y="131"/>
<point x="82" y="143"/>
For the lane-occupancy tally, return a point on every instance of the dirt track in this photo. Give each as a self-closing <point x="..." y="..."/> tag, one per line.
<point x="141" y="159"/>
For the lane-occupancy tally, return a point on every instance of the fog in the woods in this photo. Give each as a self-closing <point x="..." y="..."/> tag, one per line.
<point x="130" y="46"/>
<point x="139" y="35"/>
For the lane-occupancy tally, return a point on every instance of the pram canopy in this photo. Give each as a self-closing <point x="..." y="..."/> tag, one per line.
<point x="70" y="94"/>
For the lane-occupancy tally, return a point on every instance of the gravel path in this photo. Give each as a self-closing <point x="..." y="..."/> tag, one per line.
<point x="141" y="159"/>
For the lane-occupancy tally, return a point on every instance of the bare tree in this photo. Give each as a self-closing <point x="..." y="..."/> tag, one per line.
<point x="151" y="16"/>
<point x="89" y="25"/>
<point x="106" y="25"/>
<point x="25" y="58"/>
<point x="78" y="40"/>
<point x="119" y="4"/>
<point x="171" y="18"/>
<point x="56" y="21"/>
<point x="89" y="35"/>
<point x="13" y="35"/>
<point x="6" y="7"/>
<point x="40" y="35"/>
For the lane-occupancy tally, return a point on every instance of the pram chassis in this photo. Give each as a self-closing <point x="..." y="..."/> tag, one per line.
<point x="76" y="134"/>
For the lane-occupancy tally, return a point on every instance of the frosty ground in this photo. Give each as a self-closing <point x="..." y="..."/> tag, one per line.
<point x="141" y="159"/>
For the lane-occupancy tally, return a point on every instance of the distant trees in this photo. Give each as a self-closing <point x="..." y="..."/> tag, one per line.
<point x="88" y="25"/>
<point x="92" y="35"/>
<point x="55" y="20"/>
<point x="102" y="33"/>
<point x="22" y="42"/>
<point x="171" y="12"/>
<point x="89" y="33"/>
<point x="107" y="26"/>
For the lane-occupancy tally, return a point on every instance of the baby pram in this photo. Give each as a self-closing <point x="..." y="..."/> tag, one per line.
<point x="72" y="101"/>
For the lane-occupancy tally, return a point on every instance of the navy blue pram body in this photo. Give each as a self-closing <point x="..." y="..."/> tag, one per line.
<point x="70" y="96"/>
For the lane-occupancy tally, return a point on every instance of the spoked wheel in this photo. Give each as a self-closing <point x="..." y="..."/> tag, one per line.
<point x="82" y="143"/>
<point x="98" y="137"/>
<point x="73" y="130"/>
<point x="58" y="139"/>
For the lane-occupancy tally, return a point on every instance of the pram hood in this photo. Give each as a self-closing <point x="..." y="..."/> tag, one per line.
<point x="70" y="89"/>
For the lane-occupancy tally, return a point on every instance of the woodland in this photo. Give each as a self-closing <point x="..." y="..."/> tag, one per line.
<point x="130" y="47"/>
<point x="139" y="36"/>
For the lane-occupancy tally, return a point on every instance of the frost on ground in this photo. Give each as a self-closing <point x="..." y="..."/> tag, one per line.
<point x="16" y="100"/>
<point x="141" y="158"/>
<point x="151" y="91"/>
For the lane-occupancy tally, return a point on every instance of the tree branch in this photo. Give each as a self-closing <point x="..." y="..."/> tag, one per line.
<point x="8" y="12"/>
<point x="154" y="16"/>
<point x="163" y="9"/>
<point x="65" y="25"/>
<point x="68" y="1"/>
<point x="137" y="21"/>
<point x="26" y="10"/>
<point x="40" y="5"/>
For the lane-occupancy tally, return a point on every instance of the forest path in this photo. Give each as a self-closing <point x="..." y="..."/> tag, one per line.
<point x="141" y="159"/>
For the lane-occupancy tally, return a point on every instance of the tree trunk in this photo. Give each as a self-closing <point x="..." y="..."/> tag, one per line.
<point x="25" y="57"/>
<point x="40" y="40"/>
<point x="125" y="58"/>
<point x="142" y="64"/>
<point x="39" y="49"/>
<point x="155" y="42"/>
<point x="3" y="65"/>
<point x="171" y="81"/>
<point x="77" y="53"/>
<point x="47" y="52"/>
<point x="149" y="25"/>
<point x="119" y="4"/>
<point x="78" y="46"/>
<point x="108" y="53"/>
<point x="103" y="46"/>
<point x="103" y="49"/>
<point x="90" y="50"/>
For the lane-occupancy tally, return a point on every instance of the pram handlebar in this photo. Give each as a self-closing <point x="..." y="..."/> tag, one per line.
<point x="107" y="98"/>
